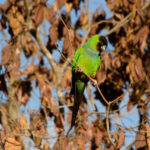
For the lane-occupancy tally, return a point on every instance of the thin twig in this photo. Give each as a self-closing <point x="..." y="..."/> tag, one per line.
<point x="107" y="126"/>
<point x="46" y="52"/>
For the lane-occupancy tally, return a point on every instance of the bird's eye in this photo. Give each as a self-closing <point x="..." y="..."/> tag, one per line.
<point x="103" y="47"/>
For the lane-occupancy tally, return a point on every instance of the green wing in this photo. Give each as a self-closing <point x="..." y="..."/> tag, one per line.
<point x="77" y="54"/>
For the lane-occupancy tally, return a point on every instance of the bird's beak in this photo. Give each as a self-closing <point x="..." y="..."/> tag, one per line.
<point x="103" y="47"/>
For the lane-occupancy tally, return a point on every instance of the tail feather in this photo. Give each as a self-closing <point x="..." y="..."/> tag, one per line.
<point x="79" y="90"/>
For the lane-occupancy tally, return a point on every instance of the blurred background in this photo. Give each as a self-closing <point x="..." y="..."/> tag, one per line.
<point x="37" y="43"/>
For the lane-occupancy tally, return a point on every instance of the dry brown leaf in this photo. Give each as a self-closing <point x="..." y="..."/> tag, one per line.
<point x="130" y="105"/>
<point x="51" y="105"/>
<point x="29" y="45"/>
<point x="98" y="148"/>
<point x="39" y="15"/>
<point x="23" y="123"/>
<point x="142" y="36"/>
<point x="116" y="62"/>
<point x="59" y="4"/>
<point x="4" y="118"/>
<point x="45" y="88"/>
<point x="121" y="140"/>
<point x="11" y="60"/>
<point x="135" y="70"/>
<point x="68" y="7"/>
<point x="61" y="144"/>
<point x="6" y="54"/>
<point x="46" y="146"/>
<point x="67" y="79"/>
<point x="140" y="140"/>
<point x="111" y="4"/>
<point x="115" y="136"/>
<point x="53" y="34"/>
<point x="83" y="20"/>
<point x="101" y="74"/>
<point x="30" y="70"/>
<point x="59" y="123"/>
<point x="49" y="14"/>
<point x="107" y="61"/>
<point x="98" y="137"/>
<point x="81" y="144"/>
<point x="71" y="35"/>
<point x="148" y="134"/>
<point x="7" y="4"/>
<point x="16" y="20"/>
<point x="37" y="125"/>
<point x="12" y="144"/>
<point x="123" y="42"/>
<point x="134" y="9"/>
<point x="37" y="141"/>
<point x="118" y="16"/>
<point x="68" y="46"/>
<point x="130" y="36"/>
<point x="139" y="69"/>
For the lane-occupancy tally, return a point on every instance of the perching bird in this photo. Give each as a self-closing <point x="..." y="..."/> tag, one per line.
<point x="87" y="59"/>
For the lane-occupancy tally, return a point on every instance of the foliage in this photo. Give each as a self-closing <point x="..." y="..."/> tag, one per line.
<point x="126" y="69"/>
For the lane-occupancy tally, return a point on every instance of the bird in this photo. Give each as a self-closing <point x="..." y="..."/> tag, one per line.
<point x="87" y="60"/>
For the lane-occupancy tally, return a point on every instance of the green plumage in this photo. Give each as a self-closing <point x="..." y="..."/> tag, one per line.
<point x="87" y="59"/>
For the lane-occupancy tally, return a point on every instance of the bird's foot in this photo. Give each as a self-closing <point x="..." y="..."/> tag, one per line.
<point x="94" y="81"/>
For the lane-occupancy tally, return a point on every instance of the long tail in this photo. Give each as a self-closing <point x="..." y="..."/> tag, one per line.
<point x="79" y="89"/>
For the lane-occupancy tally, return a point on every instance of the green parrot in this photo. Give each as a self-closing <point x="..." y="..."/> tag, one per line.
<point x="87" y="59"/>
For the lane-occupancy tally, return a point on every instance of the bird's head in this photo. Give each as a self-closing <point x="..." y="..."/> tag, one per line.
<point x="98" y="43"/>
<point x="102" y="44"/>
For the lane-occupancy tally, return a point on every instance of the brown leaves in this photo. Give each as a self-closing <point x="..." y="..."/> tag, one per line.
<point x="50" y="104"/>
<point x="140" y="141"/>
<point x="101" y="74"/>
<point x="37" y="125"/>
<point x="125" y="67"/>
<point x="39" y="14"/>
<point x="30" y="46"/>
<point x="54" y="33"/>
<point x="46" y="146"/>
<point x="141" y="37"/>
<point x="135" y="67"/>
<point x="148" y="134"/>
<point x="121" y="138"/>
<point x="68" y="43"/>
<point x="11" y="59"/>
<point x="61" y="143"/>
<point x="7" y="4"/>
<point x="21" y="126"/>
<point x="67" y="79"/>
<point x="68" y="7"/>
<point x="6" y="54"/>
<point x="96" y="133"/>
<point x="16" y="19"/>
<point x="83" y="20"/>
<point x="13" y="143"/>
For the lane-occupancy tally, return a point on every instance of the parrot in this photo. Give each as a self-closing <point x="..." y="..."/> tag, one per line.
<point x="87" y="60"/>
